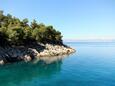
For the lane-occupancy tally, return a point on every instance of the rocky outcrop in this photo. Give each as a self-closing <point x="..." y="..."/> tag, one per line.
<point x="25" y="53"/>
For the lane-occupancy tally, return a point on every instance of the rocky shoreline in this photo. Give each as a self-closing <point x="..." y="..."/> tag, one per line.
<point x="11" y="54"/>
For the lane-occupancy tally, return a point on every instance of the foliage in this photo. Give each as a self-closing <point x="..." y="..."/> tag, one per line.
<point x="19" y="32"/>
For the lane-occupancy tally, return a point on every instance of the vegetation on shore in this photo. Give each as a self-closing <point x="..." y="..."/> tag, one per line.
<point x="21" y="40"/>
<point x="14" y="31"/>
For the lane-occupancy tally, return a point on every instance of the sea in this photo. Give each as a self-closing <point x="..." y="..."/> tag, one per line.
<point x="93" y="64"/>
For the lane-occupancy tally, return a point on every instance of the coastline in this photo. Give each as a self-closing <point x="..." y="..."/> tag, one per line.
<point x="12" y="54"/>
<point x="21" y="41"/>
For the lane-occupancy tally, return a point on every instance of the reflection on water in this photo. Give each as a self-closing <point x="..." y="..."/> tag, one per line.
<point x="49" y="60"/>
<point x="14" y="74"/>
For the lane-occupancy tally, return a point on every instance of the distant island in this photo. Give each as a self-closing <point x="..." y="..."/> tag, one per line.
<point x="20" y="41"/>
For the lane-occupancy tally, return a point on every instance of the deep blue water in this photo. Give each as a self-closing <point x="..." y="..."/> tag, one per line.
<point x="92" y="65"/>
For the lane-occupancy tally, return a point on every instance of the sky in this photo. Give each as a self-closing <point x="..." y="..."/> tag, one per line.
<point x="76" y="19"/>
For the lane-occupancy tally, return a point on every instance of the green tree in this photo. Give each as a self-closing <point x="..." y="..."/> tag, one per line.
<point x="25" y="22"/>
<point x="34" y="24"/>
<point x="18" y="32"/>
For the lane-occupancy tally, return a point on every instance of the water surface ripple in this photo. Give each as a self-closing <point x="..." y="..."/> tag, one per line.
<point x="92" y="65"/>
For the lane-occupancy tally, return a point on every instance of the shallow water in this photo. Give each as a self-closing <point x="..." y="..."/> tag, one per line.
<point x="92" y="65"/>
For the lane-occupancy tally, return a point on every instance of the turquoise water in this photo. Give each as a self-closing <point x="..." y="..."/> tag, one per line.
<point x="92" y="65"/>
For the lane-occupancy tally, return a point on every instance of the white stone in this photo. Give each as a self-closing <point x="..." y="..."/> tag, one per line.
<point x="27" y="58"/>
<point x="1" y="62"/>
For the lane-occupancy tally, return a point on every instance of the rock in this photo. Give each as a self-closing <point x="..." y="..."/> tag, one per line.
<point x="28" y="54"/>
<point x="33" y="51"/>
<point x="1" y="62"/>
<point x="27" y="58"/>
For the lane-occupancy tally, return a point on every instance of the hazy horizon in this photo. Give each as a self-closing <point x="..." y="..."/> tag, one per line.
<point x="89" y="40"/>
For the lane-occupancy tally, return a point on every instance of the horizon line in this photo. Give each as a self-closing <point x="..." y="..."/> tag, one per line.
<point x="89" y="40"/>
